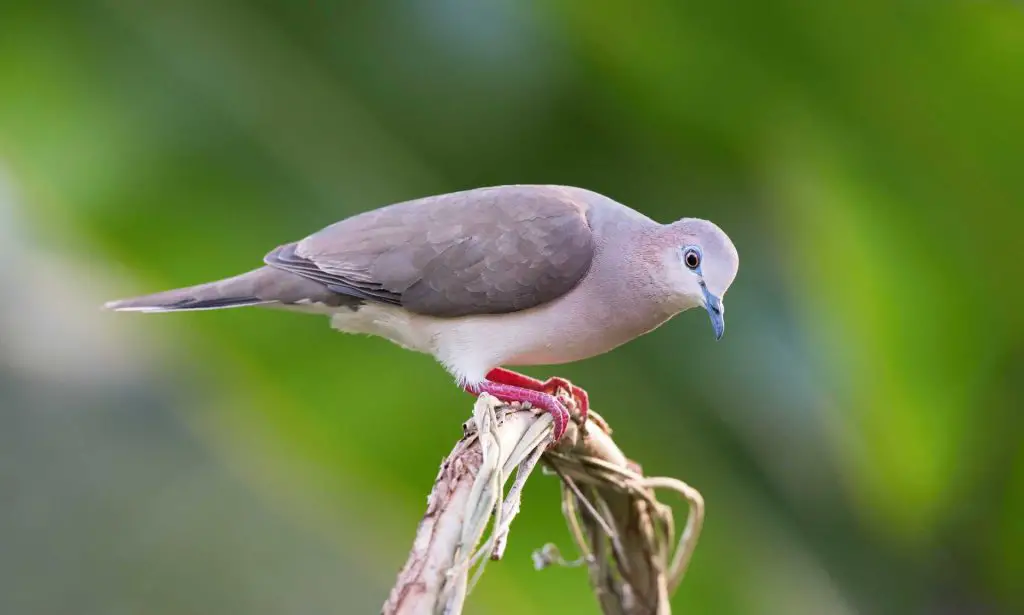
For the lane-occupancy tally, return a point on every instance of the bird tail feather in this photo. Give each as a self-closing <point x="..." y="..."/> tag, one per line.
<point x="239" y="291"/>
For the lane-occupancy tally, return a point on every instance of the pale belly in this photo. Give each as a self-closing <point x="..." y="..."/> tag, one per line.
<point x="470" y="347"/>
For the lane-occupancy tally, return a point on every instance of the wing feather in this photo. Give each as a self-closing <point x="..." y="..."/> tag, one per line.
<point x="484" y="251"/>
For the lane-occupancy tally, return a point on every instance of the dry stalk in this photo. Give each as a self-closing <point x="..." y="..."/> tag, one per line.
<point x="626" y="538"/>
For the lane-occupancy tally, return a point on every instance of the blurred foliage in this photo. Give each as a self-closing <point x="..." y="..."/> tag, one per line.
<point x="857" y="433"/>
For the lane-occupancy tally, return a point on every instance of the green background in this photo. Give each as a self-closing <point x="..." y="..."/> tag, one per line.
<point x="857" y="433"/>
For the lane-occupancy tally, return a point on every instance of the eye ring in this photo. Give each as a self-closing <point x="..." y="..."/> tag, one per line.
<point x="692" y="258"/>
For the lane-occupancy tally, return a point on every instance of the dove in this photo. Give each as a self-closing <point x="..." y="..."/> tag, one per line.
<point x="490" y="278"/>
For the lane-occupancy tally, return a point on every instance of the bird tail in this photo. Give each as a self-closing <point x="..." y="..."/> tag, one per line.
<point x="242" y="290"/>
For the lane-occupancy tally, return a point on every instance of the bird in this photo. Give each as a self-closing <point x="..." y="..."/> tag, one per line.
<point x="489" y="278"/>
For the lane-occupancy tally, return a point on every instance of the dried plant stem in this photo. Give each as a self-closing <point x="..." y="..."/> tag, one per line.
<point x="623" y="534"/>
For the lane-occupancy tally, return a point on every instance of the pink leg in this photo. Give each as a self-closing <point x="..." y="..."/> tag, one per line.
<point x="538" y="399"/>
<point x="549" y="386"/>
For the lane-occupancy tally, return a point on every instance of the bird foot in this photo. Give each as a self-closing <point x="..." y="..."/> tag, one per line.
<point x="557" y="387"/>
<point x="552" y="395"/>
<point x="538" y="399"/>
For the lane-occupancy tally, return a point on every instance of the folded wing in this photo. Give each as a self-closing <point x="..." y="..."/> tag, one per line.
<point x="484" y="251"/>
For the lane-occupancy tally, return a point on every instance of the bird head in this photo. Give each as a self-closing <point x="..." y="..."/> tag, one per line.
<point x="701" y="262"/>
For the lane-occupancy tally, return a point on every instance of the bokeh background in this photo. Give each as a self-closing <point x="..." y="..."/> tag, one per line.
<point x="857" y="433"/>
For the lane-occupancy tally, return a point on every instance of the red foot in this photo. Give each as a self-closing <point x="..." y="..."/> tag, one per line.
<point x="511" y="386"/>
<point x="537" y="399"/>
<point x="549" y="386"/>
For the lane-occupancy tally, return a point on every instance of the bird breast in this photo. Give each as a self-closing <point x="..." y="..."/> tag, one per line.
<point x="584" y="323"/>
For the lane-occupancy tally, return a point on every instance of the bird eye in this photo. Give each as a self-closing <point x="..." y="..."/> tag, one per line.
<point x="691" y="256"/>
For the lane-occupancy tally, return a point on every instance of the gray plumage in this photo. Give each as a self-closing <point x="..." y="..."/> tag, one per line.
<point x="263" y="286"/>
<point x="476" y="252"/>
<point x="508" y="275"/>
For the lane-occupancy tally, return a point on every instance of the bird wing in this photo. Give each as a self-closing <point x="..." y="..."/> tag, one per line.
<point x="484" y="251"/>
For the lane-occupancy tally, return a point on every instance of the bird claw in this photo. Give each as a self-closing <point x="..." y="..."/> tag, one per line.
<point x="510" y="393"/>
<point x="557" y="396"/>
<point x="577" y="398"/>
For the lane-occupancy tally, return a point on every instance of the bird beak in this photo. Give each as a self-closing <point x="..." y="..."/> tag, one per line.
<point x="716" y="311"/>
